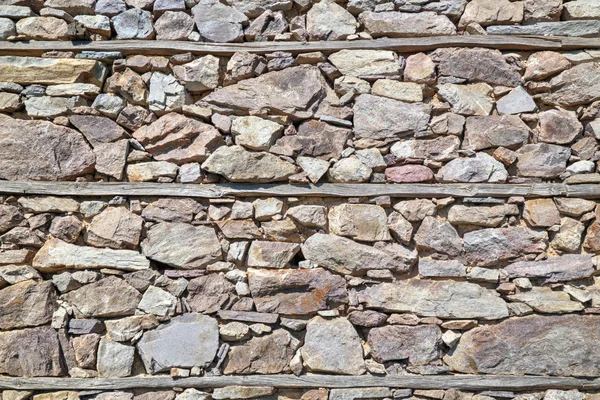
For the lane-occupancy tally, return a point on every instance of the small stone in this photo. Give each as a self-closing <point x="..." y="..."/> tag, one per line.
<point x="362" y="222"/>
<point x="544" y="64"/>
<point x="114" y="359"/>
<point x="349" y="170"/>
<point x="559" y="126"/>
<point x="326" y="20"/>
<point x="429" y="268"/>
<point x="166" y="94"/>
<point x="554" y="269"/>
<point x="200" y="75"/>
<point x="43" y="28"/>
<point x="472" y="99"/>
<point x="438" y="235"/>
<point x="218" y="22"/>
<point x="516" y="102"/>
<point x="271" y="254"/>
<point x="418" y="344"/>
<point x="541" y="213"/>
<point x="486" y="13"/>
<point x="255" y="133"/>
<point x="242" y="392"/>
<point x="158" y="302"/>
<point x="508" y="131"/>
<point x="363" y="63"/>
<point x="315" y="168"/>
<point x="151" y="171"/>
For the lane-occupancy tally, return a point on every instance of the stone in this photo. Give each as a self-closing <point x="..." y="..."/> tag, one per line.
<point x="581" y="9"/>
<point x="542" y="160"/>
<point x="399" y="24"/>
<point x="362" y="222"/>
<point x="111" y="158"/>
<point x="99" y="24"/>
<point x="541" y="213"/>
<point x="190" y="394"/>
<point x="517" y="101"/>
<point x="10" y="102"/>
<point x="476" y="65"/>
<point x="10" y="217"/>
<point x="569" y="236"/>
<point x="125" y="329"/>
<point x="314" y="139"/>
<point x="66" y="228"/>
<point x="486" y="13"/>
<point x="18" y="273"/>
<point x="264" y="254"/>
<point x="507" y="131"/>
<point x="349" y="170"/>
<point x="574" y="207"/>
<point x="576" y="86"/>
<point x="42" y="28"/>
<point x="210" y="293"/>
<point x="115" y="227"/>
<point x="158" y="302"/>
<point x="109" y="104"/>
<point x="50" y="107"/>
<point x="345" y="256"/>
<point x="272" y="91"/>
<point x="420" y="68"/>
<point x="73" y="89"/>
<point x="109" y="7"/>
<point x="179" y="139"/>
<point x="472" y="99"/>
<point x="85" y="348"/>
<point x="255" y="133"/>
<point x="270" y="354"/>
<point x="115" y="360"/>
<point x="133" y="24"/>
<point x="182" y="245"/>
<point x="554" y="269"/>
<point x="542" y="11"/>
<point x="48" y="204"/>
<point x="489" y="217"/>
<point x="359" y="393"/>
<point x="85" y="326"/>
<point x="200" y="75"/>
<point x="129" y="85"/>
<point x="591" y="241"/>
<point x="242" y="392"/>
<point x="27" y="304"/>
<point x="412" y="173"/>
<point x="409" y="92"/>
<point x="332" y="346"/>
<point x="327" y="20"/>
<point x="415" y="210"/>
<point x="364" y="63"/>
<point x="57" y="255"/>
<point x="234" y="332"/>
<point x="166" y="94"/>
<point x="109" y="297"/>
<point x="189" y="340"/>
<point x="311" y="216"/>
<point x="217" y="22"/>
<point x="174" y="25"/>
<point x="562" y="28"/>
<point x="239" y="165"/>
<point x="438" y="236"/>
<point x="559" y="126"/>
<point x="544" y="64"/>
<point x="545" y="300"/>
<point x="150" y="171"/>
<point x="441" y="299"/>
<point x="239" y="229"/>
<point x="443" y="148"/>
<point x="418" y="344"/>
<point x="31" y="352"/>
<point x="554" y="394"/>
<point x="488" y="247"/>
<point x="61" y="153"/>
<point x="533" y="351"/>
<point x="296" y="292"/>
<point x="97" y="129"/>
<point x="7" y="28"/>
<point x="381" y="118"/>
<point x="315" y="168"/>
<point x="430" y="268"/>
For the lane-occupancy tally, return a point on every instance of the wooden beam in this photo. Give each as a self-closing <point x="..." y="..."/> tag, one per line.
<point x="463" y="382"/>
<point x="213" y="191"/>
<point x="407" y="45"/>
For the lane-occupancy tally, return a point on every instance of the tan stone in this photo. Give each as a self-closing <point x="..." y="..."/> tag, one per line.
<point x="50" y="71"/>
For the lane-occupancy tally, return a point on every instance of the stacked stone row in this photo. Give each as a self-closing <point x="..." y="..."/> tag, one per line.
<point x="451" y="115"/>
<point x="291" y="20"/>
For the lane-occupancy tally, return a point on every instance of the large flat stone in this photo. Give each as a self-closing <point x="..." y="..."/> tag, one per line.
<point x="210" y="293"/>
<point x="562" y="28"/>
<point x="40" y="150"/>
<point x="190" y="340"/>
<point x="399" y="24"/>
<point x="576" y="86"/>
<point x="442" y="299"/>
<point x="31" y="352"/>
<point x="419" y="345"/>
<point x="365" y="222"/>
<point x="27" y="304"/>
<point x="296" y="291"/>
<point x="534" y="345"/>
<point x="364" y="63"/>
<point x="50" y="71"/>
<point x="115" y="227"/>
<point x="542" y="160"/>
<point x="57" y="255"/>
<point x="494" y="131"/>
<point x="554" y="269"/>
<point x="547" y="301"/>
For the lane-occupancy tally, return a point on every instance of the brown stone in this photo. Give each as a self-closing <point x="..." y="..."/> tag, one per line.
<point x="420" y="344"/>
<point x="31" y="352"/>
<point x="210" y="293"/>
<point x="27" y="304"/>
<point x="411" y="173"/>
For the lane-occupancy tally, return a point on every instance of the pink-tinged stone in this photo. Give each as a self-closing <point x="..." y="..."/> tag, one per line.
<point x="411" y="173"/>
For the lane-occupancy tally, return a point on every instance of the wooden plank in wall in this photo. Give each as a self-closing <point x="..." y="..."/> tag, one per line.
<point x="462" y="382"/>
<point x="397" y="44"/>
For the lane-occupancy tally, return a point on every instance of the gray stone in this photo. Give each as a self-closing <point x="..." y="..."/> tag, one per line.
<point x="110" y="7"/>
<point x="31" y="352"/>
<point x="398" y="24"/>
<point x="9" y="102"/>
<point x="174" y="25"/>
<point x="158" y="302"/>
<point x="97" y="129"/>
<point x="314" y="139"/>
<point x="171" y="210"/>
<point x="115" y="227"/>
<point x="218" y="22"/>
<point x="581" y="9"/>
<point x="264" y="254"/>
<point x="364" y="63"/>
<point x="542" y="160"/>
<point x="210" y="293"/>
<point x="111" y="158"/>
<point x="115" y="360"/>
<point x="544" y="64"/>
<point x="360" y="393"/>
<point x="332" y="346"/>
<point x="442" y="299"/>
<point x="166" y="94"/>
<point x="255" y="8"/>
<point x="349" y="170"/>
<point x="430" y="268"/>
<point x="438" y="236"/>
<point x="125" y="329"/>
<point x="563" y="28"/>
<point x="326" y="20"/>
<point x="187" y="341"/>
<point x="545" y="300"/>
<point x="481" y="215"/>
<point x="133" y="24"/>
<point x="311" y="216"/>
<point x="200" y="75"/>
<point x="538" y="348"/>
<point x="181" y="245"/>
<point x="99" y="24"/>
<point x="559" y="126"/>
<point x="242" y="392"/>
<point x="48" y="204"/>
<point x="18" y="273"/>
<point x="315" y="168"/>
<point x="474" y="99"/>
<point x="442" y="148"/>
<point x="554" y="269"/>
<point x="49" y="107"/>
<point x="364" y="222"/>
<point x="542" y="10"/>
<point x="495" y="131"/>
<point x="10" y="217"/>
<point x="255" y="133"/>
<point x="419" y="345"/>
<point x="516" y="102"/>
<point x="481" y="168"/>
<point x="109" y="104"/>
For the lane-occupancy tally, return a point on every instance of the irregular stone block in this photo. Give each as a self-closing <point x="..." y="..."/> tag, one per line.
<point x="419" y="345"/>
<point x="363" y="63"/>
<point x="398" y="24"/>
<point x="210" y="293"/>
<point x="27" y="304"/>
<point x="362" y="222"/>
<point x="115" y="360"/>
<point x="264" y="254"/>
<point x="50" y="71"/>
<point x="31" y="352"/>
<point x="554" y="269"/>
<point x="495" y="131"/>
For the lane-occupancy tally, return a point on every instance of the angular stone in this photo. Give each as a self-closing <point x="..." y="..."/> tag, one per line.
<point x="541" y="213"/>
<point x="399" y="24"/>
<point x="42" y="28"/>
<point x="315" y="139"/>
<point x="517" y="101"/>
<point x="569" y="236"/>
<point x="488" y="247"/>
<point x="359" y="393"/>
<point x="210" y="293"/>
<point x="472" y="99"/>
<point x="326" y="20"/>
<point x="31" y="352"/>
<point x="182" y="245"/>
<point x="411" y="173"/>
<point x="57" y="255"/>
<point x="151" y="171"/>
<point x="97" y="129"/>
<point x="576" y="86"/>
<point x="562" y="28"/>
<point x="133" y="24"/>
<point x="438" y="236"/>
<point x="18" y="273"/>
<point x="489" y="217"/>
<point x="60" y="153"/>
<point x="239" y="165"/>
<point x="271" y="254"/>
<point x="114" y="359"/>
<point x="365" y="63"/>
<point x="345" y="256"/>
<point x="190" y="340"/>
<point x="544" y="64"/>
<point x="218" y="22"/>
<point x="269" y="354"/>
<point x="272" y="91"/>
<point x="332" y="346"/>
<point x="125" y="329"/>
<point x="381" y="118"/>
<point x="542" y="10"/>
<point x="542" y="160"/>
<point x="531" y="345"/>
<point x="166" y="94"/>
<point x="415" y="210"/>
<point x="85" y="348"/>
<point x="255" y="133"/>
<point x="430" y="268"/>
<point x="27" y="304"/>
<point x="200" y="75"/>
<point x="418" y="344"/>
<point x="157" y="301"/>
<point x="109" y="104"/>
<point x="296" y="292"/>
<point x="242" y="392"/>
<point x="10" y="102"/>
<point x="171" y="210"/>
<point x="362" y="222"/>
<point x="441" y="299"/>
<point x="111" y="158"/>
<point x="554" y="269"/>
<point x="179" y="139"/>
<point x="174" y="25"/>
<point x="48" y="204"/>
<point x="403" y="91"/>
<point x="311" y="216"/>
<point x="115" y="227"/>
<point x="581" y="9"/>
<point x="49" y="107"/>
<point x="10" y="217"/>
<point x="559" y="126"/>
<point x="109" y="297"/>
<point x="315" y="168"/>
<point x="239" y="229"/>
<point x="481" y="168"/>
<point x="128" y="84"/>
<point x="248" y="316"/>
<point x="99" y="24"/>
<point x="545" y="300"/>
<point x="574" y="207"/>
<point x="491" y="12"/>
<point x="495" y="131"/>
<point x="442" y="148"/>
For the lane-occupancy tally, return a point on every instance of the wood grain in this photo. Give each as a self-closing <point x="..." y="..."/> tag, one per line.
<point x="165" y="47"/>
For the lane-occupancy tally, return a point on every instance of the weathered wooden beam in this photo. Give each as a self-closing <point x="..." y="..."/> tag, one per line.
<point x="463" y="382"/>
<point x="398" y="44"/>
<point x="286" y="190"/>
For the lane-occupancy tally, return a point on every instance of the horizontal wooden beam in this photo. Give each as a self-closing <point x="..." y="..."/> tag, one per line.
<point x="407" y="45"/>
<point x="213" y="191"/>
<point x="463" y="382"/>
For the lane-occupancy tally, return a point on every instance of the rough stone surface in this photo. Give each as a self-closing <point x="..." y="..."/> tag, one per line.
<point x="35" y="350"/>
<point x="27" y="304"/>
<point x="418" y="344"/>
<point x="554" y="269"/>
<point x="398" y="24"/>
